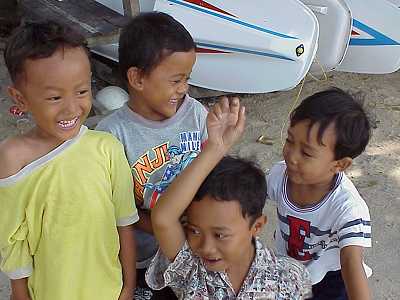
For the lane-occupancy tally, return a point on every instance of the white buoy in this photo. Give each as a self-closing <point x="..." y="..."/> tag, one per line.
<point x="110" y="98"/>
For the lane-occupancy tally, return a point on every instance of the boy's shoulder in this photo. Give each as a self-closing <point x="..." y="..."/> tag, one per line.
<point x="278" y="168"/>
<point x="347" y="196"/>
<point x="293" y="280"/>
<point x="276" y="173"/>
<point x="101" y="138"/>
<point x="196" y="104"/>
<point x="114" y="120"/>
<point x="12" y="155"/>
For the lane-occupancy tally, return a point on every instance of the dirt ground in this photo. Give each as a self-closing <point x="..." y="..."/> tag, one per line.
<point x="376" y="173"/>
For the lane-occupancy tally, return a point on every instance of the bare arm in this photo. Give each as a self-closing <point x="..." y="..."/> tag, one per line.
<point x="225" y="124"/>
<point x="127" y="257"/>
<point x="351" y="260"/>
<point x="144" y="222"/>
<point x="19" y="289"/>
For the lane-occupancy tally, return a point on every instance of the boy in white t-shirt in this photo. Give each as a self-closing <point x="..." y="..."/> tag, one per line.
<point x="323" y="221"/>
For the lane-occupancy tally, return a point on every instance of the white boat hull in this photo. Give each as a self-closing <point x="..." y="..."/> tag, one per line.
<point x="335" y="23"/>
<point x="374" y="46"/>
<point x="247" y="47"/>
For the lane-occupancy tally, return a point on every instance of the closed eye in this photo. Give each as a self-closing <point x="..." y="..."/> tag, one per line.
<point x="55" y="98"/>
<point x="192" y="230"/>
<point x="289" y="141"/>
<point x="83" y="92"/>
<point x="220" y="236"/>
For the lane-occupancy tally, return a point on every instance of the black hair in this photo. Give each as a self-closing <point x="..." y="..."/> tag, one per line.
<point x="36" y="40"/>
<point x="352" y="127"/>
<point x="148" y="39"/>
<point x="237" y="179"/>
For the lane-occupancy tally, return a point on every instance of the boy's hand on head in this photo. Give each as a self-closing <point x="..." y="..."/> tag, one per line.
<point x="225" y="123"/>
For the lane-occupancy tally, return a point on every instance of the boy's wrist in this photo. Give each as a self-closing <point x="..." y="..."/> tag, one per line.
<point x="216" y="149"/>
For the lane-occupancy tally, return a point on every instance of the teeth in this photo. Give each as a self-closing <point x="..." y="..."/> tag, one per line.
<point x="67" y="124"/>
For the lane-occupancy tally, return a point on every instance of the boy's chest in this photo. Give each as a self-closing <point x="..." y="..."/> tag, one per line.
<point x="155" y="163"/>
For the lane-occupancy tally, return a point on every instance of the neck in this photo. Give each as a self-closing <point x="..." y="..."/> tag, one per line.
<point x="309" y="194"/>
<point x="238" y="272"/>
<point x="43" y="138"/>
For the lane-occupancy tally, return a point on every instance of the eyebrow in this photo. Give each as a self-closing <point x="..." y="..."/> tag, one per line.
<point x="309" y="147"/>
<point x="305" y="145"/>
<point x="179" y="75"/>
<point x="221" y="228"/>
<point x="79" y="84"/>
<point x="218" y="228"/>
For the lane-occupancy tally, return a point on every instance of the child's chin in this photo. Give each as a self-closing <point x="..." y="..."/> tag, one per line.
<point x="215" y="267"/>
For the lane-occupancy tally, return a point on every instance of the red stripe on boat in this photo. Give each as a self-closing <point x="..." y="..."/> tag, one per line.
<point x="209" y="6"/>
<point x="211" y="51"/>
<point x="354" y="32"/>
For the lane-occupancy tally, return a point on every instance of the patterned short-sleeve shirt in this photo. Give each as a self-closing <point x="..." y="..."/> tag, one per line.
<point x="269" y="277"/>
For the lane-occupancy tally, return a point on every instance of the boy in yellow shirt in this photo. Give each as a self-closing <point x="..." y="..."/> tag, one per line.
<point x="66" y="201"/>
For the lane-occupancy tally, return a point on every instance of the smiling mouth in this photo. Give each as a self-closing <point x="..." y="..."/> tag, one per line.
<point x="68" y="124"/>
<point x="173" y="101"/>
<point x="211" y="261"/>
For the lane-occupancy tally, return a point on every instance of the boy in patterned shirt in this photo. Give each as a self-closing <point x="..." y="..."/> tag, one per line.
<point x="217" y="254"/>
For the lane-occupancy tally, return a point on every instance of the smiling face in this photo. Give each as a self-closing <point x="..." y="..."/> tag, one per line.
<point x="309" y="162"/>
<point x="159" y="94"/>
<point x="56" y="91"/>
<point x="219" y="234"/>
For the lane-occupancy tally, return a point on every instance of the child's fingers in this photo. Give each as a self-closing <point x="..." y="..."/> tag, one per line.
<point x="241" y="119"/>
<point x="235" y="105"/>
<point x="217" y="110"/>
<point x="224" y="104"/>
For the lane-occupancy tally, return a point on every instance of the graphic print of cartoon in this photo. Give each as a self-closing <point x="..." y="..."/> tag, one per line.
<point x="178" y="161"/>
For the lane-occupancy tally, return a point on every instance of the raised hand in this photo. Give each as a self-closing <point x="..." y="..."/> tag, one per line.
<point x="225" y="123"/>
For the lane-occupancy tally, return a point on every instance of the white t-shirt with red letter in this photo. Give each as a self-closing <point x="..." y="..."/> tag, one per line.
<point x="315" y="235"/>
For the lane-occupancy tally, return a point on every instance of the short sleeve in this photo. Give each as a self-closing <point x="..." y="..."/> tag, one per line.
<point x="162" y="272"/>
<point x="204" y="133"/>
<point x="201" y="113"/>
<point x="274" y="178"/>
<point x="16" y="260"/>
<point x="354" y="226"/>
<point x="122" y="187"/>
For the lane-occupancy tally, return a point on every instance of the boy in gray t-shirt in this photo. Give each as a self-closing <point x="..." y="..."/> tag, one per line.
<point x="161" y="128"/>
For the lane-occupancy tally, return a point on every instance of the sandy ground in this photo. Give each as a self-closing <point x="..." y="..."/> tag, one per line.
<point x="376" y="173"/>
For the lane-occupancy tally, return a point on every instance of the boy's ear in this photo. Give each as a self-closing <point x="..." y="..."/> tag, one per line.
<point x="135" y="78"/>
<point x="258" y="225"/>
<point x="18" y="98"/>
<point x="342" y="164"/>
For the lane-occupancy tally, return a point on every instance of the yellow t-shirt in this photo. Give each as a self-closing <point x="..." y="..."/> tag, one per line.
<point x="59" y="218"/>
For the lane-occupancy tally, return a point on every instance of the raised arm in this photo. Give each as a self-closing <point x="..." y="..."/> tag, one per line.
<point x="225" y="125"/>
<point x="353" y="274"/>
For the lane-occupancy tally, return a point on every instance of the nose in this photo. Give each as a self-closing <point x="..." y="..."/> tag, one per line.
<point x="71" y="106"/>
<point x="207" y="247"/>
<point x="290" y="155"/>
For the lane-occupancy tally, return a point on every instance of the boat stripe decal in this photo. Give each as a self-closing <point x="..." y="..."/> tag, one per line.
<point x="378" y="40"/>
<point x="209" y="51"/>
<point x="245" y="51"/>
<point x="233" y="20"/>
<point x="209" y="6"/>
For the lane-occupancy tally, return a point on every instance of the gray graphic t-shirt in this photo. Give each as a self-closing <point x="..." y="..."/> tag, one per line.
<point x="157" y="152"/>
